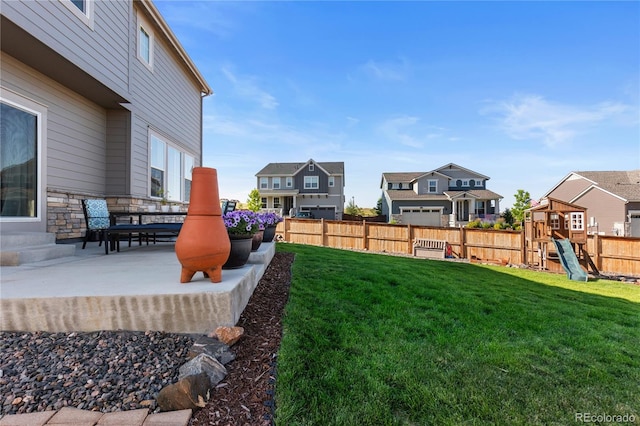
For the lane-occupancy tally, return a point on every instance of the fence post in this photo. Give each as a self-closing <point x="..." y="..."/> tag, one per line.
<point x="596" y="249"/>
<point x="463" y="242"/>
<point x="365" y="242"/>
<point x="323" y="233"/>
<point x="523" y="250"/>
<point x="285" y="225"/>
<point x="409" y="239"/>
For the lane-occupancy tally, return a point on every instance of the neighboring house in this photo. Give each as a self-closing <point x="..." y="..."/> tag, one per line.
<point x="448" y="196"/>
<point x="99" y="100"/>
<point x="316" y="187"/>
<point x="612" y="200"/>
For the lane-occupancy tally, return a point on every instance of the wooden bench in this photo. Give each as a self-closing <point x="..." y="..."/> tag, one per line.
<point x="432" y="249"/>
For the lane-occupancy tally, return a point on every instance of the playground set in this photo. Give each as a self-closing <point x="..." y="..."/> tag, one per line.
<point x="556" y="239"/>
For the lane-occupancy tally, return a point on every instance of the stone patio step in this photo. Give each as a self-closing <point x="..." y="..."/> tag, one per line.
<point x="69" y="416"/>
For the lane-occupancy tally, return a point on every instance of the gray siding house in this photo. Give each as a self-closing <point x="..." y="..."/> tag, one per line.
<point x="612" y="200"/>
<point x="447" y="196"/>
<point x="99" y="100"/>
<point x="316" y="187"/>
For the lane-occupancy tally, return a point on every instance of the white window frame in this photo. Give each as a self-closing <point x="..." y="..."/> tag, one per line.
<point x="478" y="182"/>
<point x="87" y="16"/>
<point x="275" y="183"/>
<point x="396" y="186"/>
<point x="311" y="167"/>
<point x="465" y="182"/>
<point x="184" y="157"/>
<point x="554" y="220"/>
<point x="332" y="181"/>
<point x="189" y="164"/>
<point x="276" y="203"/>
<point x="289" y="182"/>
<point x="263" y="202"/>
<point x="311" y="182"/>
<point x="264" y="183"/>
<point x="577" y="221"/>
<point x="144" y="25"/>
<point x="435" y="186"/>
<point x="40" y="111"/>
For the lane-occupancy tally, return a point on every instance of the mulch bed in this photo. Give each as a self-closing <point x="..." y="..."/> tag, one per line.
<point x="245" y="396"/>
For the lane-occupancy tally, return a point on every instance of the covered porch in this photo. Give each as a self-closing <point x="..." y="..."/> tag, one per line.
<point x="467" y="207"/>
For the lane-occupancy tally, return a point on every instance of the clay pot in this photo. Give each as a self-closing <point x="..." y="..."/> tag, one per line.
<point x="257" y="240"/>
<point x="203" y="243"/>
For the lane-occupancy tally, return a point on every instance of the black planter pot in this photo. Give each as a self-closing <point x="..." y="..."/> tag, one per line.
<point x="240" y="251"/>
<point x="269" y="234"/>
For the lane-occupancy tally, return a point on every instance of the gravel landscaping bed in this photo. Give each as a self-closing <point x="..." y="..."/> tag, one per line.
<point x="123" y="370"/>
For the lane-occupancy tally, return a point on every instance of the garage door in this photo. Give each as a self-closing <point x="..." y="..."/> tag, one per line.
<point x="328" y="213"/>
<point x="634" y="225"/>
<point x="423" y="217"/>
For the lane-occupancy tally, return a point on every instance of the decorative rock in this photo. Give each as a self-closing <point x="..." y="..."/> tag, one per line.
<point x="212" y="347"/>
<point x="229" y="335"/>
<point x="207" y="364"/>
<point x="192" y="392"/>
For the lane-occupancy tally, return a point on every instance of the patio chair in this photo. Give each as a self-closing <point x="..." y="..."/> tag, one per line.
<point x="96" y="215"/>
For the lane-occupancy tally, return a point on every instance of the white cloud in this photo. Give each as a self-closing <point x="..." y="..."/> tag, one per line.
<point x="395" y="71"/>
<point x="246" y="87"/>
<point x="409" y="131"/>
<point x="531" y="117"/>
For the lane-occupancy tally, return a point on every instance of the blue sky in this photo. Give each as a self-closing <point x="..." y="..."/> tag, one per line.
<point x="522" y="92"/>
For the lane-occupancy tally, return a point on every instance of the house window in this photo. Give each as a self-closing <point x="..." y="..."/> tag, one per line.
<point x="311" y="182"/>
<point x="396" y="185"/>
<point x="289" y="182"/>
<point x="263" y="202"/>
<point x="169" y="175"/>
<point x="554" y="220"/>
<point x="276" y="183"/>
<point x="82" y="9"/>
<point x="465" y="182"/>
<point x="158" y="166"/>
<point x="577" y="221"/>
<point x="276" y="203"/>
<point x="478" y="182"/>
<point x="174" y="174"/>
<point x="480" y="207"/>
<point x="145" y="42"/>
<point x="20" y="150"/>
<point x="433" y="186"/>
<point x="332" y="181"/>
<point x="264" y="183"/>
<point x="311" y="167"/>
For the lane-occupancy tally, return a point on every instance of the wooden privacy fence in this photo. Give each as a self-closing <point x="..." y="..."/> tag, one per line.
<point x="612" y="255"/>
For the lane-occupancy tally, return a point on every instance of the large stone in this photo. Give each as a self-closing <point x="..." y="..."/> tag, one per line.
<point x="229" y="335"/>
<point x="192" y="392"/>
<point x="204" y="363"/>
<point x="214" y="347"/>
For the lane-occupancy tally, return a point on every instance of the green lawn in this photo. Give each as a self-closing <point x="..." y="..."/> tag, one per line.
<point x="382" y="340"/>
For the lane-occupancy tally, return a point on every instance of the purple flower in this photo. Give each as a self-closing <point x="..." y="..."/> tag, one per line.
<point x="239" y="222"/>
<point x="269" y="219"/>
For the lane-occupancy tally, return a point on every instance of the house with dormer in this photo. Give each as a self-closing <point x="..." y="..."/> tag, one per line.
<point x="450" y="195"/>
<point x="98" y="100"/>
<point x="314" y="187"/>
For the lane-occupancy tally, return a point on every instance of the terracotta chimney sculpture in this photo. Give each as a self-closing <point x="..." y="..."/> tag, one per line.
<point x="203" y="243"/>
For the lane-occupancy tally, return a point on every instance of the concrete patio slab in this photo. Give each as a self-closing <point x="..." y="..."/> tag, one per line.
<point x="136" y="289"/>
